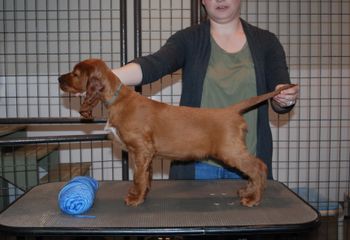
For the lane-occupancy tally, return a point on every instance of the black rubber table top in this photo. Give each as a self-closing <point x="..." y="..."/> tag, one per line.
<point x="172" y="207"/>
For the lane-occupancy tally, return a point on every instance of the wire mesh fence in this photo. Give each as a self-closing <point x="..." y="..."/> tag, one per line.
<point x="41" y="39"/>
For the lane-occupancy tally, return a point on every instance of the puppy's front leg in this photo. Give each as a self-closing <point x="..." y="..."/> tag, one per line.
<point x="142" y="177"/>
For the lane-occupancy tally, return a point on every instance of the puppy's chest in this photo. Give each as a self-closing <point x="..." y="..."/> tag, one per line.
<point x="115" y="133"/>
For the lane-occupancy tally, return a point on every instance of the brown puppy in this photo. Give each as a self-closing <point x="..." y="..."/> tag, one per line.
<point x="149" y="128"/>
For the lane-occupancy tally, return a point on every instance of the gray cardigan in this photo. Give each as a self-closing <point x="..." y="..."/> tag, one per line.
<point x="189" y="49"/>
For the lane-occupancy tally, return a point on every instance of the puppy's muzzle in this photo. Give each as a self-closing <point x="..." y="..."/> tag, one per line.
<point x="62" y="83"/>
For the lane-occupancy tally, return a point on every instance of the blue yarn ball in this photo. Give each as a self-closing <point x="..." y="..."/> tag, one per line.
<point x="78" y="195"/>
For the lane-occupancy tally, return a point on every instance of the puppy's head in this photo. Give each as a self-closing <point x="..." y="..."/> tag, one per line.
<point x="86" y="77"/>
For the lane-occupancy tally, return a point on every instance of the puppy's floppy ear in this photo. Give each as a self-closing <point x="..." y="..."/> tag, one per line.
<point x="93" y="89"/>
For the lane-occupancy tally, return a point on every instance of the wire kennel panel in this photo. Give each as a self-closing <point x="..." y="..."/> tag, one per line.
<point x="312" y="143"/>
<point x="159" y="20"/>
<point x="41" y="39"/>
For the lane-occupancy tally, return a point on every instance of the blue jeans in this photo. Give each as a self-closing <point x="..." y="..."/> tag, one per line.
<point x="209" y="171"/>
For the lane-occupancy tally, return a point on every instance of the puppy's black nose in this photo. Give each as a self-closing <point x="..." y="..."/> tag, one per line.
<point x="60" y="79"/>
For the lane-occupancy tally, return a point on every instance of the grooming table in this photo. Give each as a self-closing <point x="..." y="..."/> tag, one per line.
<point x="172" y="208"/>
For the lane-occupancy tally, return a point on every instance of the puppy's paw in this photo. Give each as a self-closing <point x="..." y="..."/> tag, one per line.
<point x="135" y="196"/>
<point x="250" y="196"/>
<point x="132" y="200"/>
<point x="250" y="201"/>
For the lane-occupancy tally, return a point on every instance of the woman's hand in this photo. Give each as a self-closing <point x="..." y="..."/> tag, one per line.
<point x="287" y="97"/>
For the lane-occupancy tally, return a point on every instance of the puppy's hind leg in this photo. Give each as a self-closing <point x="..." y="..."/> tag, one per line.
<point x="256" y="170"/>
<point x="251" y="166"/>
<point x="142" y="177"/>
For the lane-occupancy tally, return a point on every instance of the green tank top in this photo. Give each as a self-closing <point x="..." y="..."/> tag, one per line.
<point x="230" y="78"/>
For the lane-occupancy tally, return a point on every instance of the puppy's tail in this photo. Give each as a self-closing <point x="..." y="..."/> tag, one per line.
<point x="245" y="105"/>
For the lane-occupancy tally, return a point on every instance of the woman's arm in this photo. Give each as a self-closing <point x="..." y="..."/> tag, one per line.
<point x="168" y="59"/>
<point x="129" y="74"/>
<point x="146" y="69"/>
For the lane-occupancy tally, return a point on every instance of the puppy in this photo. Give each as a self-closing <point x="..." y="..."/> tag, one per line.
<point x="149" y="128"/>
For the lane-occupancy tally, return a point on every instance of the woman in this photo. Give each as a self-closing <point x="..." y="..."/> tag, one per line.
<point x="223" y="61"/>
